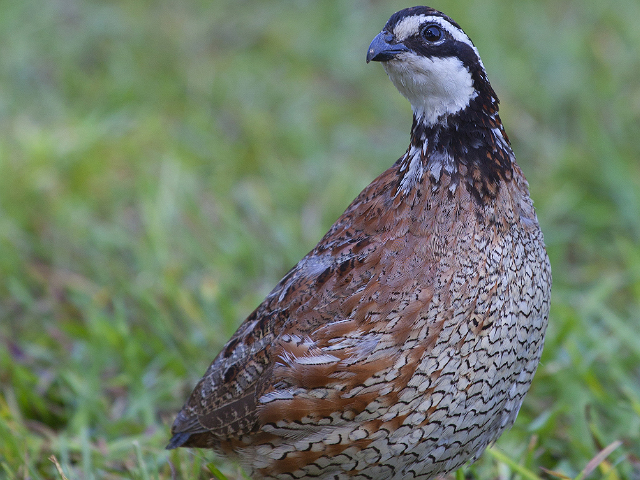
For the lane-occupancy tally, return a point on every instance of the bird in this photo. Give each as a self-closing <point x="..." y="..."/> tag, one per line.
<point x="403" y="343"/>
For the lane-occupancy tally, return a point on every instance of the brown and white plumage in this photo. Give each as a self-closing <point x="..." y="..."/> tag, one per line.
<point x="404" y="342"/>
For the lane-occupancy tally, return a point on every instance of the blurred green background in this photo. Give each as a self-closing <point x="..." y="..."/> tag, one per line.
<point x="163" y="164"/>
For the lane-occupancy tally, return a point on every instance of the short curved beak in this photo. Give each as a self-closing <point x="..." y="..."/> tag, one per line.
<point x="381" y="48"/>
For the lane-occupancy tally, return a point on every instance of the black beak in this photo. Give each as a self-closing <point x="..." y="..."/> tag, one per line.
<point x="381" y="48"/>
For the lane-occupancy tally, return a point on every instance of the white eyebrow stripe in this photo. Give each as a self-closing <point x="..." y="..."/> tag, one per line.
<point x="407" y="26"/>
<point x="410" y="25"/>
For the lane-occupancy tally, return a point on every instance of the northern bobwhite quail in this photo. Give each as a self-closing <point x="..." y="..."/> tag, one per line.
<point x="404" y="342"/>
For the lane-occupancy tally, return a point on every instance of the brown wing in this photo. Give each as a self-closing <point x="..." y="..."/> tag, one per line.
<point x="322" y="289"/>
<point x="329" y="332"/>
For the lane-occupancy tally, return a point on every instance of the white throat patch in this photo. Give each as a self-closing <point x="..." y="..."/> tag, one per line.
<point x="434" y="86"/>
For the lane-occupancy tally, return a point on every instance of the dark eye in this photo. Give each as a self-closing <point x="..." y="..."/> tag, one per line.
<point x="432" y="33"/>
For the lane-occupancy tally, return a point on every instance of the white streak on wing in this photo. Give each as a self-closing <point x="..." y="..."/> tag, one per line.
<point x="316" y="359"/>
<point x="284" y="394"/>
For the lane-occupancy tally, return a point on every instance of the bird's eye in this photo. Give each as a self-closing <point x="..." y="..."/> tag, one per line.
<point x="432" y="33"/>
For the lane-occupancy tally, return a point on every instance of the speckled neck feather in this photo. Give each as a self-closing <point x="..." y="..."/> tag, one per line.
<point x="469" y="148"/>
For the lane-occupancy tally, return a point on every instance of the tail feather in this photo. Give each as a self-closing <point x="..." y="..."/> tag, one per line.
<point x="178" y="440"/>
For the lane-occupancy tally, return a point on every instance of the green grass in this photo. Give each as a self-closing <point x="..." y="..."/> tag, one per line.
<point x="163" y="164"/>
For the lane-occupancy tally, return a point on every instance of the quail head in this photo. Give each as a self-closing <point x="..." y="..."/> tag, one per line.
<point x="404" y="342"/>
